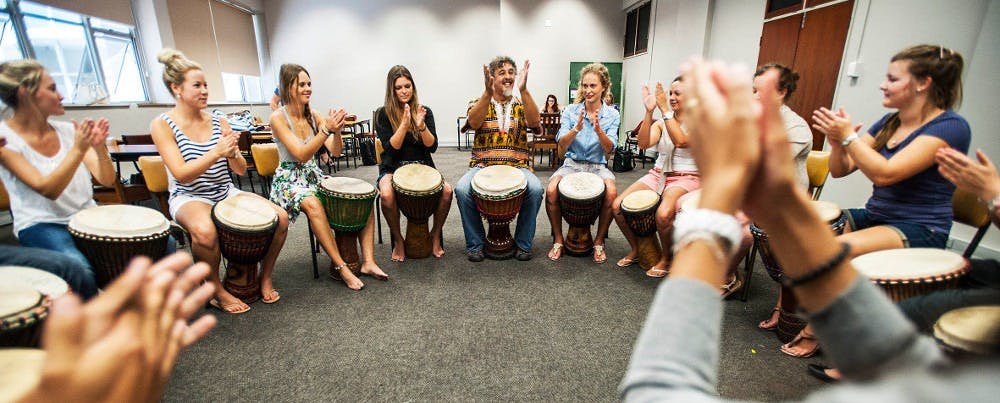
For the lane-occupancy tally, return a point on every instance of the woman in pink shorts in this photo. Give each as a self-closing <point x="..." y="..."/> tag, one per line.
<point x="673" y="175"/>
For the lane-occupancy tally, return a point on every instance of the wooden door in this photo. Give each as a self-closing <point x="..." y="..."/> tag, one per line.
<point x="812" y="43"/>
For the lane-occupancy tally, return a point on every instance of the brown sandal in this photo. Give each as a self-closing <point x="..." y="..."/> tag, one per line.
<point x="803" y="335"/>
<point x="762" y="326"/>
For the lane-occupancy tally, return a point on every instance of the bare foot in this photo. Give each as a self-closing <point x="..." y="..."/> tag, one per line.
<point x="436" y="248"/>
<point x="348" y="277"/>
<point x="372" y="269"/>
<point x="398" y="253"/>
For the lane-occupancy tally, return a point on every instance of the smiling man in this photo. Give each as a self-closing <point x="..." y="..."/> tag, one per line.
<point x="501" y="121"/>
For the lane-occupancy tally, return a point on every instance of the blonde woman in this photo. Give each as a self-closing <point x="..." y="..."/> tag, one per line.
<point x="198" y="150"/>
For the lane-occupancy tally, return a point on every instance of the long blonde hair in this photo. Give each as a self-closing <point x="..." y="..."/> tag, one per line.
<point x="393" y="108"/>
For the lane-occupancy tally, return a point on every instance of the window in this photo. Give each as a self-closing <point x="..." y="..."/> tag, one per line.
<point x="241" y="88"/>
<point x="92" y="60"/>
<point x="637" y="30"/>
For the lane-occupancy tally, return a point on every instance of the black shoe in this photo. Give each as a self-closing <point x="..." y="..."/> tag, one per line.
<point x="819" y="372"/>
<point x="476" y="256"/>
<point x="523" y="256"/>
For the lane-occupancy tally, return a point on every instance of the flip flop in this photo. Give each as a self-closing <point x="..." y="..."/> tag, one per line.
<point x="226" y="308"/>
<point x="626" y="262"/>
<point x="733" y="286"/>
<point x="799" y="337"/>
<point x="657" y="273"/>
<point x="599" y="251"/>
<point x="761" y="325"/>
<point x="556" y="249"/>
<point x="266" y="300"/>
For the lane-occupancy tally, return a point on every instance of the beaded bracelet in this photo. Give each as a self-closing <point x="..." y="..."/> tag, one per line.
<point x="818" y="271"/>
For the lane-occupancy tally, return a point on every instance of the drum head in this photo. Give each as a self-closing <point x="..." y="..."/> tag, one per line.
<point x="498" y="180"/>
<point x="690" y="200"/>
<point x="581" y="186"/>
<point x="416" y="178"/>
<point x="975" y="329"/>
<point x="42" y="281"/>
<point x="245" y="212"/>
<point x="119" y="221"/>
<point x="17" y="297"/>
<point x="640" y="200"/>
<point x="908" y="264"/>
<point x="20" y="371"/>
<point x="828" y="211"/>
<point x="346" y="186"/>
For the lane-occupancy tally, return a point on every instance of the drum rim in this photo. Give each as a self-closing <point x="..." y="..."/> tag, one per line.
<point x="349" y="196"/>
<point x="559" y="187"/>
<point x="520" y="186"/>
<point x="26" y="317"/>
<point x="320" y="187"/>
<point x="93" y="237"/>
<point x="625" y="208"/>
<point x="436" y="188"/>
<point x="937" y="277"/>
<point x="499" y="198"/>
<point x="261" y="228"/>
<point x="962" y="343"/>
<point x="165" y="223"/>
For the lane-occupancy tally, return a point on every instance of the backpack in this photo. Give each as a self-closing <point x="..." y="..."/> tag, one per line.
<point x="623" y="160"/>
<point x="367" y="147"/>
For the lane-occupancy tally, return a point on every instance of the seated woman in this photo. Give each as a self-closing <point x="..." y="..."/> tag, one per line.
<point x="299" y="132"/>
<point x="47" y="165"/>
<point x="585" y="134"/>
<point x="551" y="105"/>
<point x="673" y="175"/>
<point x="407" y="132"/>
<point x="910" y="205"/>
<point x="198" y="150"/>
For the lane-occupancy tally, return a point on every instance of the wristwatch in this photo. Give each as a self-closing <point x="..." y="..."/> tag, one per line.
<point x="849" y="139"/>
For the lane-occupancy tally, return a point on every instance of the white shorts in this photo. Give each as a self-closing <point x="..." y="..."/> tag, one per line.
<point x="180" y="200"/>
<point x="573" y="166"/>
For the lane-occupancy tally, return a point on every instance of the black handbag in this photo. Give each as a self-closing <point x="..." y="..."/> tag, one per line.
<point x="367" y="147"/>
<point x="623" y="161"/>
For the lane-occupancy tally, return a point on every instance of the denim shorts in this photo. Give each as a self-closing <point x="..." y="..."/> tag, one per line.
<point x="913" y="235"/>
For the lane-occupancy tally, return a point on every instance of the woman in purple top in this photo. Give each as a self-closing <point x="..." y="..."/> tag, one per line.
<point x="910" y="205"/>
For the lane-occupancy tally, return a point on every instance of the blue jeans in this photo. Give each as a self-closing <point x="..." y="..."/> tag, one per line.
<point x="472" y="222"/>
<point x="913" y="235"/>
<point x="69" y="264"/>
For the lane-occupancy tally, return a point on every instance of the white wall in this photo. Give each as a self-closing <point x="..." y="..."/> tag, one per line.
<point x="349" y="46"/>
<point x="970" y="27"/>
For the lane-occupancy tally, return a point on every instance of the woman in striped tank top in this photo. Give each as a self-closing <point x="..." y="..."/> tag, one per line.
<point x="198" y="151"/>
<point x="299" y="132"/>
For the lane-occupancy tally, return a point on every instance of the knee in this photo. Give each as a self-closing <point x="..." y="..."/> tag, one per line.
<point x="282" y="220"/>
<point x="388" y="200"/>
<point x="311" y="205"/>
<point x="203" y="233"/>
<point x="447" y="193"/>
<point x="552" y="195"/>
<point x="664" y="219"/>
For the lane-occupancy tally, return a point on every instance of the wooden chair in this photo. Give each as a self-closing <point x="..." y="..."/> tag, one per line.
<point x="546" y="140"/>
<point x="155" y="172"/>
<point x="970" y="211"/>
<point x="818" y="169"/>
<point x="266" y="158"/>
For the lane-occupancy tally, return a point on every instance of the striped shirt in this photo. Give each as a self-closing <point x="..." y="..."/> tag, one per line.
<point x="493" y="146"/>
<point x="214" y="183"/>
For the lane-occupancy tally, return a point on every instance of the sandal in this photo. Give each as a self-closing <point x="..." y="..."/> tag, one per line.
<point x="657" y="272"/>
<point x="762" y="325"/>
<point x="599" y="255"/>
<point x="733" y="286"/>
<point x="626" y="262"/>
<point x="556" y="251"/>
<point x="798" y="338"/>
<point x="266" y="300"/>
<point x="229" y="308"/>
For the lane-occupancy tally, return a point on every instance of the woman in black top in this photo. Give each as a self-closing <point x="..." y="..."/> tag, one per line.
<point x="406" y="130"/>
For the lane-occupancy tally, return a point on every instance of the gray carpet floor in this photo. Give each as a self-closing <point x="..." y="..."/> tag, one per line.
<point x="450" y="330"/>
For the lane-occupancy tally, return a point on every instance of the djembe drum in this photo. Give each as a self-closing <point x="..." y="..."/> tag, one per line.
<point x="639" y="211"/>
<point x="790" y="323"/>
<point x="348" y="203"/>
<point x="110" y="236"/>
<point x="581" y="196"/>
<point x="909" y="272"/>
<point x="498" y="191"/>
<point x="245" y="224"/>
<point x="20" y="372"/>
<point x="418" y="189"/>
<point x="969" y="332"/>
<point x="25" y="294"/>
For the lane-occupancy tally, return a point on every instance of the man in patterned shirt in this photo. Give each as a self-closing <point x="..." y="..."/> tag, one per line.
<point x="501" y="121"/>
